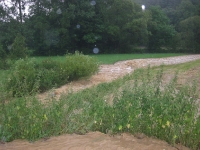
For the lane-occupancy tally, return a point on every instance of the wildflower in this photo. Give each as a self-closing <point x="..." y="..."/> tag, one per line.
<point x="128" y="126"/>
<point x="168" y="123"/>
<point x="45" y="117"/>
<point x="120" y="127"/>
<point x="175" y="137"/>
<point x="95" y="121"/>
<point x="163" y="126"/>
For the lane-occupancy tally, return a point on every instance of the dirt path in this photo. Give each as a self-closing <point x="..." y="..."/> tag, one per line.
<point x="92" y="141"/>
<point x="97" y="140"/>
<point x="109" y="73"/>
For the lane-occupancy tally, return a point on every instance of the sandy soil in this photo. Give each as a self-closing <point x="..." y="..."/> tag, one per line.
<point x="108" y="73"/>
<point x="92" y="141"/>
<point x="97" y="140"/>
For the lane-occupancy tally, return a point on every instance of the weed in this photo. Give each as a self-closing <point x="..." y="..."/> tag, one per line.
<point x="141" y="103"/>
<point x="28" y="76"/>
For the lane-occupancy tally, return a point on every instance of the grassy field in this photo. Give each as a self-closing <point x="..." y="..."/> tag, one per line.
<point x="112" y="58"/>
<point x="140" y="102"/>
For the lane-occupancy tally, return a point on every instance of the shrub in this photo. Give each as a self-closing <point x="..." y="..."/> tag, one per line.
<point x="23" y="78"/>
<point x="29" y="76"/>
<point x="18" y="50"/>
<point x="79" y="65"/>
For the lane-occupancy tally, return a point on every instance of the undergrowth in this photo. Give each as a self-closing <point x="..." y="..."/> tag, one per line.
<point x="28" y="76"/>
<point x="138" y="103"/>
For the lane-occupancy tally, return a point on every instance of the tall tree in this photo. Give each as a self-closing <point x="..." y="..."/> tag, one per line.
<point x="190" y="34"/>
<point x="124" y="24"/>
<point x="161" y="32"/>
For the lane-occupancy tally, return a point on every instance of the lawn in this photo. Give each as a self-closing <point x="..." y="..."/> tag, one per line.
<point x="112" y="58"/>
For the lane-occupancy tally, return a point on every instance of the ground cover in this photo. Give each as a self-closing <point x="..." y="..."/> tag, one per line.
<point x="140" y="102"/>
<point x="112" y="58"/>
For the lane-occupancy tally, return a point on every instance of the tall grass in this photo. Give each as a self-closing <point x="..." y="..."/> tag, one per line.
<point x="139" y="102"/>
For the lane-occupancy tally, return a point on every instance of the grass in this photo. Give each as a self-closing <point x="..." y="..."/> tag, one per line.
<point x="139" y="102"/>
<point x="112" y="58"/>
<point x="185" y="66"/>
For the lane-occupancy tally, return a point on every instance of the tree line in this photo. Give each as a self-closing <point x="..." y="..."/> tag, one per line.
<point x="54" y="27"/>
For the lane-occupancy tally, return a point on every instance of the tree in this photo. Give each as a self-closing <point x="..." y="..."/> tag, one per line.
<point x="190" y="34"/>
<point x="18" y="49"/>
<point x="124" y="24"/>
<point x="160" y="30"/>
<point x="185" y="10"/>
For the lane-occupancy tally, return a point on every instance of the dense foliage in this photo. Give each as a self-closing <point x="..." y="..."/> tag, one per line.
<point x="28" y="76"/>
<point x="53" y="27"/>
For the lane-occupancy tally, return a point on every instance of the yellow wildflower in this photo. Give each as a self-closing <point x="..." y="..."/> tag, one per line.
<point x="120" y="127"/>
<point x="163" y="126"/>
<point x="168" y="123"/>
<point x="45" y="117"/>
<point x="175" y="137"/>
<point x="128" y="126"/>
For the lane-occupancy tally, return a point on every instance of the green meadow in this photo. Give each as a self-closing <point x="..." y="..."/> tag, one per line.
<point x="112" y="58"/>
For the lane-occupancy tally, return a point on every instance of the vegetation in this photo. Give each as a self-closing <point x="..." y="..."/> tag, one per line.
<point x="139" y="102"/>
<point x="112" y="58"/>
<point x="18" y="48"/>
<point x="27" y="76"/>
<point x="114" y="26"/>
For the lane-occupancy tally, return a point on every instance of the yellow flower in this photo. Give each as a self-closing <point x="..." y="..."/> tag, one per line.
<point x="128" y="126"/>
<point x="45" y="117"/>
<point x="168" y="123"/>
<point x="120" y="127"/>
<point x="163" y="126"/>
<point x="175" y="137"/>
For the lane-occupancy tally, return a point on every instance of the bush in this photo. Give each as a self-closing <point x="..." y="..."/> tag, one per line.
<point x="29" y="76"/>
<point x="18" y="50"/>
<point x="79" y="65"/>
<point x="23" y="78"/>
